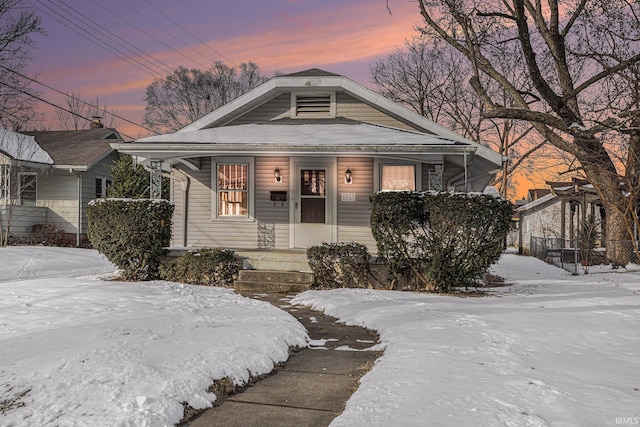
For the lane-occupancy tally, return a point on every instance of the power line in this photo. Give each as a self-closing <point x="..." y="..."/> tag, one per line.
<point x="189" y="32"/>
<point x="151" y="36"/>
<point x="70" y="96"/>
<point x="114" y="37"/>
<point x="55" y="105"/>
<point x="94" y="39"/>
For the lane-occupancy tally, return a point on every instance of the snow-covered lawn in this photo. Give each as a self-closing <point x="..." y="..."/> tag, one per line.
<point x="79" y="351"/>
<point x="553" y="349"/>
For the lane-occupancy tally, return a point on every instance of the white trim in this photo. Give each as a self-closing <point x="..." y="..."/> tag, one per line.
<point x="331" y="166"/>
<point x="251" y="187"/>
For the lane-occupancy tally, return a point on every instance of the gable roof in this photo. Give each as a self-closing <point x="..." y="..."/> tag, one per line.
<point x="319" y="80"/>
<point x="18" y="146"/>
<point x="77" y="148"/>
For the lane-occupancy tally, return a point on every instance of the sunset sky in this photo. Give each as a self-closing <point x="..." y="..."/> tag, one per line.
<point x="113" y="50"/>
<point x="85" y="41"/>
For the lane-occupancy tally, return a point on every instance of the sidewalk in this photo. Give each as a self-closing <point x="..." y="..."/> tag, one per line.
<point x="311" y="389"/>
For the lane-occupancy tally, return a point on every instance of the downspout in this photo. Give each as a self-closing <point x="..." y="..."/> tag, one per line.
<point x="79" y="190"/>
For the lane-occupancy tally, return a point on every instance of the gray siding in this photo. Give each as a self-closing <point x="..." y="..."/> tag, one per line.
<point x="276" y="108"/>
<point x="89" y="184"/>
<point x="353" y="216"/>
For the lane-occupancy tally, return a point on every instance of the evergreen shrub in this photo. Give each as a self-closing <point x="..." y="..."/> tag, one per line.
<point x="440" y="240"/>
<point x="210" y="267"/>
<point x="132" y="234"/>
<point x="340" y="265"/>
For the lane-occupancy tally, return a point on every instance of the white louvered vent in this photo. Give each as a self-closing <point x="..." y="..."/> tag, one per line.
<point x="313" y="106"/>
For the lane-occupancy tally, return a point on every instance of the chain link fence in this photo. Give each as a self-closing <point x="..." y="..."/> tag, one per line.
<point x="593" y="257"/>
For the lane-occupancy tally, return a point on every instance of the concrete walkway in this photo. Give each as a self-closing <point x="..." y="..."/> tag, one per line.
<point x="311" y="389"/>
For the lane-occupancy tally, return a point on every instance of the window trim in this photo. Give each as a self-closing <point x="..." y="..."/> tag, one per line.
<point x="332" y="105"/>
<point x="379" y="163"/>
<point x="105" y="183"/>
<point x="21" y="189"/>
<point x="250" y="162"/>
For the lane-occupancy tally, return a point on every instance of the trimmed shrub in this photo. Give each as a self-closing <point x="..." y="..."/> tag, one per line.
<point x="340" y="265"/>
<point x="132" y="234"/>
<point x="442" y="240"/>
<point x="210" y="267"/>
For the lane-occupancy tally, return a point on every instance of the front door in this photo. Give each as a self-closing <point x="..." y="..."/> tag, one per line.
<point x="312" y="205"/>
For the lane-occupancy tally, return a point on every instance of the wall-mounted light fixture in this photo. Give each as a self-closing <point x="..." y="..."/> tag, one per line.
<point x="348" y="176"/>
<point x="276" y="175"/>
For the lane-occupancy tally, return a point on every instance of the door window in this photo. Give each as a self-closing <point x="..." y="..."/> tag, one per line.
<point x="312" y="196"/>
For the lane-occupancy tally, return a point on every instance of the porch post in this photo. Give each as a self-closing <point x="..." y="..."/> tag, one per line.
<point x="155" y="187"/>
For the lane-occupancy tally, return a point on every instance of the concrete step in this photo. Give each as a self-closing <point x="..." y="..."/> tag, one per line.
<point x="285" y="260"/>
<point x="273" y="281"/>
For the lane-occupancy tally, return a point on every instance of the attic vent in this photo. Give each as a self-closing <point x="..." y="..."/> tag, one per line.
<point x="313" y="106"/>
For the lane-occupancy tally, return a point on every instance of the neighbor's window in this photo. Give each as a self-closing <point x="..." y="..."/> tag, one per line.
<point x="233" y="186"/>
<point x="101" y="187"/>
<point x="4" y="184"/>
<point x="398" y="178"/>
<point x="28" y="186"/>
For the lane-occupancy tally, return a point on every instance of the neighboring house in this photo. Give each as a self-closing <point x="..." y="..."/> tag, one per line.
<point x="292" y="164"/>
<point x="556" y="214"/>
<point x="48" y="177"/>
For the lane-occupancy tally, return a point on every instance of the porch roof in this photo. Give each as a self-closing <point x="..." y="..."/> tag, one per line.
<point x="293" y="136"/>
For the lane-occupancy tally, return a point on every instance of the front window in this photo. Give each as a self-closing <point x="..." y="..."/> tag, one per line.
<point x="233" y="186"/>
<point x="28" y="187"/>
<point x="398" y="178"/>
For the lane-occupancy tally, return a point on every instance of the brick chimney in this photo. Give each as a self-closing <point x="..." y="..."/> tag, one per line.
<point x="96" y="123"/>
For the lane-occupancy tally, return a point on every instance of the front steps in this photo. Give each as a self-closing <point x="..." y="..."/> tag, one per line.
<point x="273" y="281"/>
<point x="278" y="260"/>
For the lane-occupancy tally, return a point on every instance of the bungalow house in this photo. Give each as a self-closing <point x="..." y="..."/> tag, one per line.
<point x="292" y="164"/>
<point x="48" y="177"/>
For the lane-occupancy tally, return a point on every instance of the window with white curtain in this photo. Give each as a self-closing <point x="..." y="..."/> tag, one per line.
<point x="397" y="178"/>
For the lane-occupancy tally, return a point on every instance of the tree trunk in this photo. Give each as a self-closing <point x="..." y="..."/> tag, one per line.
<point x="619" y="245"/>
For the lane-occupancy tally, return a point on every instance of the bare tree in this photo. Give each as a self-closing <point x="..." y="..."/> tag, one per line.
<point x="78" y="112"/>
<point x="581" y="60"/>
<point x="17" y="24"/>
<point x="186" y="95"/>
<point x="432" y="78"/>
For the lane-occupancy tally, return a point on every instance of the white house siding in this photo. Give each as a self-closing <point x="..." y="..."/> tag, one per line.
<point x="276" y="108"/>
<point x="346" y="106"/>
<point x="351" y="108"/>
<point x="541" y="221"/>
<point x="353" y="216"/>
<point x="269" y="229"/>
<point x="272" y="231"/>
<point x="58" y="192"/>
<point x="22" y="219"/>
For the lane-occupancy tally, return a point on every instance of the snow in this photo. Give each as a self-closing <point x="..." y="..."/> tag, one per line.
<point x="22" y="147"/>
<point x="86" y="351"/>
<point x="552" y="349"/>
<point x="274" y="134"/>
